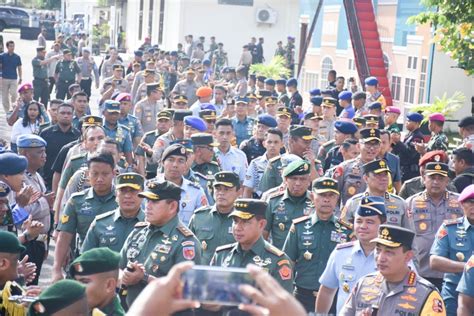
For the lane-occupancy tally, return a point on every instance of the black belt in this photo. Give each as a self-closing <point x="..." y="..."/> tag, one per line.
<point x="306" y="292"/>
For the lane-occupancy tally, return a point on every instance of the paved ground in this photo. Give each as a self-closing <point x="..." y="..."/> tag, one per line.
<point x="26" y="50"/>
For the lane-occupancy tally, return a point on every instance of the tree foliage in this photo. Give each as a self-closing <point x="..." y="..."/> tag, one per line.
<point x="453" y="22"/>
<point x="276" y="69"/>
<point x="448" y="106"/>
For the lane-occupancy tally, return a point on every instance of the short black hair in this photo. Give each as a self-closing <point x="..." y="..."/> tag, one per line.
<point x="64" y="104"/>
<point x="341" y="77"/>
<point x="79" y="94"/>
<point x="56" y="101"/>
<point x="348" y="143"/>
<point x="275" y="131"/>
<point x="465" y="154"/>
<point x="102" y="158"/>
<point x="224" y="122"/>
<point x="110" y="141"/>
<point x="385" y="132"/>
<point x="332" y="72"/>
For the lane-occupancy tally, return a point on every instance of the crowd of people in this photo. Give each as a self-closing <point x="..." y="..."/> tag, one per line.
<point x="329" y="202"/>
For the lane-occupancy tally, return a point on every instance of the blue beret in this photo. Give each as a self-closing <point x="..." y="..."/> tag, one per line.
<point x="415" y="117"/>
<point x="371" y="81"/>
<point x="11" y="163"/>
<point x="4" y="189"/>
<point x="208" y="106"/>
<point x="281" y="81"/>
<point x="316" y="100"/>
<point x="371" y="205"/>
<point x="173" y="53"/>
<point x="195" y="122"/>
<point x="345" y="95"/>
<point x="253" y="76"/>
<point x="241" y="100"/>
<point x="267" y="120"/>
<point x="345" y="127"/>
<point x="292" y="82"/>
<point x="270" y="81"/>
<point x="327" y="92"/>
<point x="206" y="62"/>
<point x="151" y="50"/>
<point x="315" y="92"/>
<point x="375" y="106"/>
<point x="138" y="53"/>
<point x="30" y="141"/>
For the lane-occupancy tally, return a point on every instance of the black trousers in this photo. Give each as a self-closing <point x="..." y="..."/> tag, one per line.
<point x="307" y="298"/>
<point x="41" y="91"/>
<point x="62" y="87"/>
<point x="35" y="251"/>
<point x="86" y="85"/>
<point x="52" y="82"/>
<point x="436" y="282"/>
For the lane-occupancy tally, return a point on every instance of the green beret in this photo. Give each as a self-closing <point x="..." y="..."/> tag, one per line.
<point x="93" y="261"/>
<point x="57" y="297"/>
<point x="297" y="168"/>
<point x="10" y="243"/>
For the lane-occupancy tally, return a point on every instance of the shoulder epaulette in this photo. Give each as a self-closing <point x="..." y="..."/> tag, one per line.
<point x="150" y="132"/>
<point x="224" y="247"/>
<point x="200" y="175"/>
<point x="275" y="194"/>
<point x="75" y="157"/>
<point x="301" y="219"/>
<point x="184" y="230"/>
<point x="345" y="245"/>
<point x="212" y="162"/>
<point x="275" y="158"/>
<point x="274" y="250"/>
<point x="202" y="209"/>
<point x="80" y="193"/>
<point x="104" y="215"/>
<point x="141" y="224"/>
<point x="344" y="223"/>
<point x="453" y="221"/>
<point x="194" y="184"/>
<point x="125" y="127"/>
<point x="329" y="143"/>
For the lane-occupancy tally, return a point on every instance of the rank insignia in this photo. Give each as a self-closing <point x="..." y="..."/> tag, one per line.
<point x="110" y="227"/>
<point x="345" y="287"/>
<point x="78" y="267"/>
<point x="174" y="238"/>
<point x="154" y="255"/>
<point x="163" y="258"/>
<point x="410" y="298"/>
<point x="188" y="253"/>
<point x="64" y="219"/>
<point x="423" y="226"/>
<point x="281" y="226"/>
<point x="406" y="305"/>
<point x="460" y="256"/>
<point x="411" y="290"/>
<point x="166" y="241"/>
<point x="204" y="245"/>
<point x="154" y="268"/>
<point x="308" y="255"/>
<point x="163" y="248"/>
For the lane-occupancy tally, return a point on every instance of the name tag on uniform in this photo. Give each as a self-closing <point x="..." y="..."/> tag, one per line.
<point x="337" y="237"/>
<point x="229" y="230"/>
<point x="306" y="237"/>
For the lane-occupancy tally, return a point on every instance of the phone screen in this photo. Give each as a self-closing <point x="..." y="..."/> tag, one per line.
<point x="216" y="285"/>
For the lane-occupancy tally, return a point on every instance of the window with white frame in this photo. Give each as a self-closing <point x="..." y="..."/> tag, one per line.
<point x="409" y="90"/>
<point x="421" y="92"/>
<point x="396" y="87"/>
<point x="351" y="64"/>
<point x="310" y="80"/>
<point x="386" y="61"/>
<point x="326" y="65"/>
<point x="412" y="61"/>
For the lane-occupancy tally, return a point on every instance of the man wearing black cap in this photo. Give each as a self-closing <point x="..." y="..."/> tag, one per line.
<point x="156" y="245"/>
<point x="352" y="260"/>
<point x="312" y="238"/>
<point x="204" y="163"/>
<point x="428" y="210"/>
<point x="110" y="229"/>
<point x="394" y="289"/>
<point x="83" y="206"/>
<point x="40" y="74"/>
<point x="377" y="177"/>
<point x="466" y="130"/>
<point x="67" y="72"/>
<point x="248" y="224"/>
<point x="176" y="132"/>
<point x="300" y="145"/>
<point x="349" y="173"/>
<point x="211" y="224"/>
<point x="98" y="270"/>
<point x="253" y="147"/>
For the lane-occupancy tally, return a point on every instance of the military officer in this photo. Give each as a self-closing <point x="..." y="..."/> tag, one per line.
<point x="82" y="207"/>
<point x="406" y="150"/>
<point x="98" y="270"/>
<point x="144" y="150"/>
<point x="117" y="131"/>
<point x="438" y="140"/>
<point x="40" y="74"/>
<point x="154" y="246"/>
<point x="66" y="73"/>
<point x="452" y="247"/>
<point x="110" y="229"/>
<point x="394" y="289"/>
<point x="127" y="119"/>
<point x="377" y="175"/>
<point x="117" y="80"/>
<point x="292" y="202"/>
<point x="66" y="297"/>
<point x="373" y="93"/>
<point x="343" y="130"/>
<point x="466" y="290"/>
<point x="299" y="145"/>
<point x="175" y="160"/>
<point x="253" y="147"/>
<point x="349" y="173"/>
<point x="312" y="238"/>
<point x="204" y="167"/>
<point x="249" y="221"/>
<point x="427" y="211"/>
<point x="211" y="224"/>
<point x="352" y="260"/>
<point x="176" y="132"/>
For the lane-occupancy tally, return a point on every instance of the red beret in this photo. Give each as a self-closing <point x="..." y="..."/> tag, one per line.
<point x="433" y="156"/>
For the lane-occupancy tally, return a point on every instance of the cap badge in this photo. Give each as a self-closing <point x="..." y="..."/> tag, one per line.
<point x="437" y="158"/>
<point x="78" y="267"/>
<point x="385" y="233"/>
<point x="438" y="167"/>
